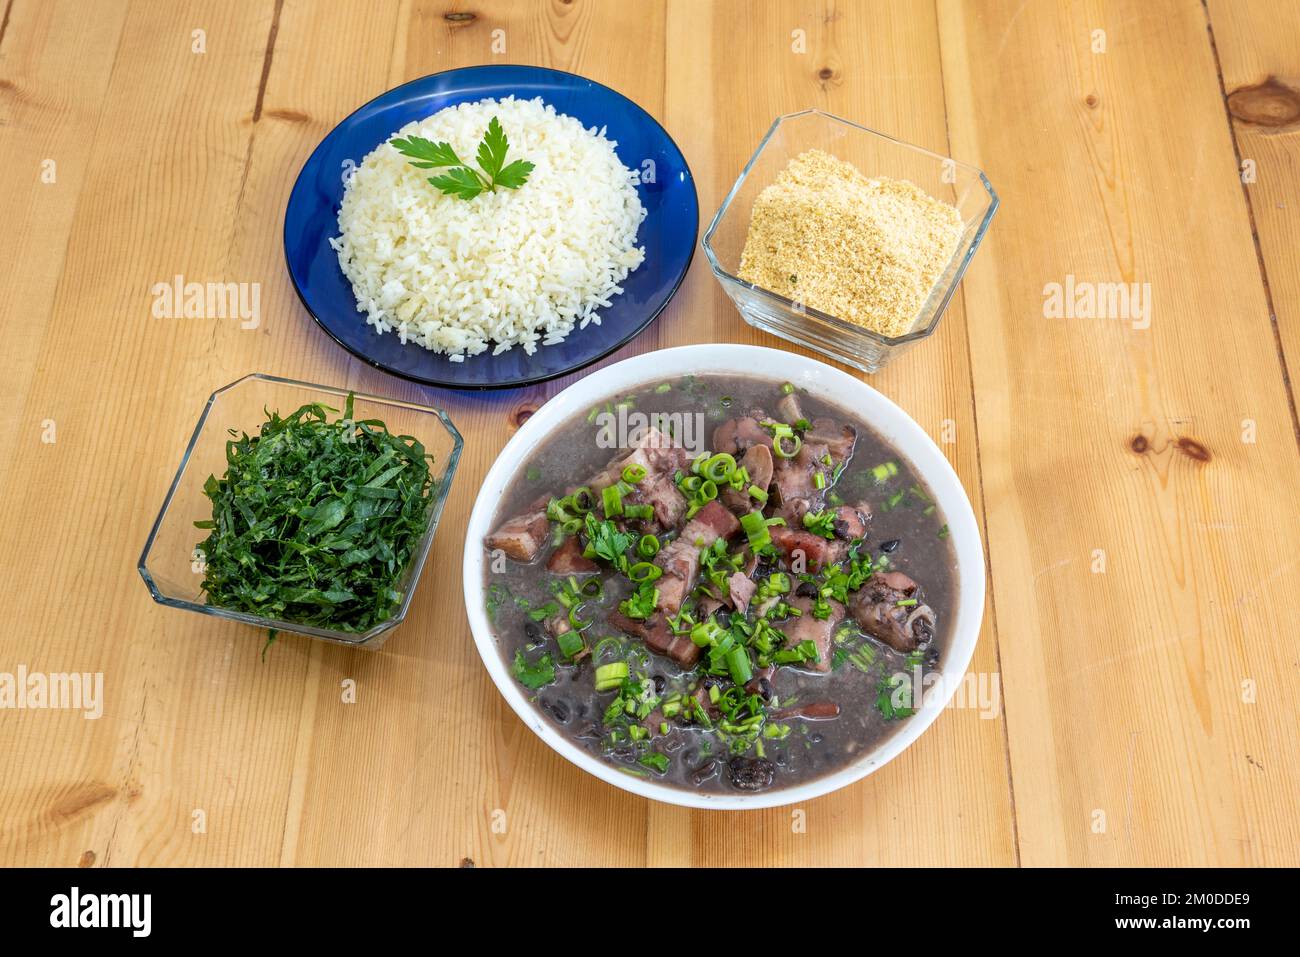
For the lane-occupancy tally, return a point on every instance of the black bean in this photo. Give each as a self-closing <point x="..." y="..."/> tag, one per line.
<point x="816" y="738"/>
<point x="704" y="772"/>
<point x="533" y="632"/>
<point x="765" y="689"/>
<point x="806" y="590"/>
<point x="660" y="684"/>
<point x="751" y="774"/>
<point x="561" y="711"/>
<point x="890" y="545"/>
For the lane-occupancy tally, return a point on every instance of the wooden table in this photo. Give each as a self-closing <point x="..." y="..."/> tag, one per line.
<point x="1137" y="487"/>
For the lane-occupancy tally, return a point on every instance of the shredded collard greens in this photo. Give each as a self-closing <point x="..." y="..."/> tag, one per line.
<point x="315" y="521"/>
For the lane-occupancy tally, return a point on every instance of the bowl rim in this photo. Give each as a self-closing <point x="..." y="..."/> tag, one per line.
<point x="353" y="639"/>
<point x="650" y="318"/>
<point x="885" y="416"/>
<point x="835" y="322"/>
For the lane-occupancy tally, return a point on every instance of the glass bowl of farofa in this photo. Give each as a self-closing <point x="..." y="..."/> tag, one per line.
<point x="846" y="240"/>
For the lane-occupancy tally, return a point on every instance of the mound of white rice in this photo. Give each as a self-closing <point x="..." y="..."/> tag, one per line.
<point x="512" y="267"/>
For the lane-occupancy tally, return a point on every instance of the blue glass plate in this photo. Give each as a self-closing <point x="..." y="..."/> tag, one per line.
<point x="668" y="232"/>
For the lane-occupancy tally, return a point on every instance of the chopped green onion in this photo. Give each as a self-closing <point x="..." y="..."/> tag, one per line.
<point x="787" y="388"/>
<point x="884" y="471"/>
<point x="819" y="480"/>
<point x="633" y="473"/>
<point x="663" y="387"/>
<point x="582" y="501"/>
<point x="644" y="572"/>
<point x="648" y="546"/>
<point x="570" y="643"/>
<point x="640" y="512"/>
<point x="610" y="676"/>
<point x="905" y="602"/>
<point x="782" y="452"/>
<point x="738" y="665"/>
<point x="755" y="527"/>
<point x="577" y="623"/>
<point x="612" y="499"/>
<point x="719" y="468"/>
<point x="758" y="494"/>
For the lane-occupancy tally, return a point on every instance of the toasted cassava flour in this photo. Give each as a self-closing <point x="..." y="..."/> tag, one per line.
<point x="868" y="251"/>
<point x="514" y="267"/>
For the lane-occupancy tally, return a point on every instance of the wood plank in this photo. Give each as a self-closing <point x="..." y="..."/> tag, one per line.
<point x="463" y="778"/>
<point x="877" y="64"/>
<point x="53" y="78"/>
<point x="1258" y="45"/>
<point x="157" y="189"/>
<point x="1128" y="691"/>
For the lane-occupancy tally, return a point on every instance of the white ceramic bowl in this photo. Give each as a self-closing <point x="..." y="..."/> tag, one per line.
<point x="891" y="422"/>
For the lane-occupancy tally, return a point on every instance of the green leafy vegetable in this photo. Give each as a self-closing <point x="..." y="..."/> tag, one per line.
<point x="315" y="521"/>
<point x="534" y="675"/>
<point x="820" y="523"/>
<point x="606" y="541"/>
<point x="655" y="760"/>
<point x="461" y="179"/>
<point x="885" y="698"/>
<point x="642" y="603"/>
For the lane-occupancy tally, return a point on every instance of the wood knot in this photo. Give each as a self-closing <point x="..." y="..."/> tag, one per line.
<point x="289" y="116"/>
<point x="80" y="801"/>
<point x="1271" y="104"/>
<point x="1193" y="449"/>
<point x="467" y="862"/>
<point x="87" y="859"/>
<point x="1091" y="101"/>
<point x="523" y="414"/>
<point x="1139" y="444"/>
<point x="825" y="73"/>
<point x="460" y="17"/>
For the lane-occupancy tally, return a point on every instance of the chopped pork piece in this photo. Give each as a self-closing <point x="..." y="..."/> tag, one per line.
<point x="568" y="559"/>
<point x="757" y="461"/>
<point x="875" y="607"/>
<point x="807" y="627"/>
<point x="522" y="536"/>
<point x="735" y="436"/>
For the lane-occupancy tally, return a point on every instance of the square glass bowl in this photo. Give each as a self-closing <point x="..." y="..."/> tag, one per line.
<point x="874" y="154"/>
<point x="171" y="564"/>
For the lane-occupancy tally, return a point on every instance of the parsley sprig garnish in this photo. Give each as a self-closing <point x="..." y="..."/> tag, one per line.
<point x="461" y="179"/>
